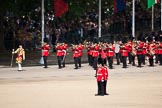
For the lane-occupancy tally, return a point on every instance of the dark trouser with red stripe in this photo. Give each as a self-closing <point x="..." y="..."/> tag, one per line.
<point x="130" y="57"/>
<point x="105" y="84"/>
<point x="59" y="59"/>
<point x="45" y="61"/>
<point x="151" y="61"/>
<point x="79" y="61"/>
<point x="160" y="58"/>
<point x="76" y="62"/>
<point x="133" y="60"/>
<point x="110" y="61"/>
<point x="139" y="58"/>
<point x="100" y="88"/>
<point x="156" y="58"/>
<point x="143" y="59"/>
<point x="95" y="62"/>
<point x="124" y="61"/>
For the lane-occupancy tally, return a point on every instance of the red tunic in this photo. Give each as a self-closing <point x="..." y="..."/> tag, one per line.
<point x="160" y="48"/>
<point x="76" y="52"/>
<point x="140" y="48"/>
<point x="100" y="75"/>
<point x="64" y="49"/>
<point x="59" y="49"/>
<point x="110" y="52"/>
<point x="124" y="51"/>
<point x="81" y="47"/>
<point x="45" y="50"/>
<point x="95" y="52"/>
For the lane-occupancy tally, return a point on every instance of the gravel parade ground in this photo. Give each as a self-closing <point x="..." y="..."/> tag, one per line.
<point x="36" y="87"/>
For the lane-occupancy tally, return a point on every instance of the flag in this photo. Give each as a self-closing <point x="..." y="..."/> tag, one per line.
<point x="151" y="3"/>
<point x="60" y="7"/>
<point x="119" y="5"/>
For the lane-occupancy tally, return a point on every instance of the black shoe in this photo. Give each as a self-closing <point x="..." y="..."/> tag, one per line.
<point x="106" y="94"/>
<point x="75" y="68"/>
<point x="124" y="67"/>
<point x="19" y="70"/>
<point x="60" y="67"/>
<point x="98" y="95"/>
<point x="45" y="67"/>
<point x="133" y="64"/>
<point x="110" y="67"/>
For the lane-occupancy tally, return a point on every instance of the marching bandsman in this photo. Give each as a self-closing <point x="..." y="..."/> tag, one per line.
<point x="59" y="54"/>
<point x="95" y="55"/>
<point x="100" y="80"/>
<point x="64" y="51"/>
<point x="144" y="52"/>
<point x="139" y="52"/>
<point x="151" y="53"/>
<point x="110" y="54"/>
<point x="20" y="56"/>
<point x="45" y="53"/>
<point x="103" y="54"/>
<point x="89" y="53"/>
<point x="75" y="50"/>
<point x="129" y="45"/>
<point x="81" y="47"/>
<point x="133" y="52"/>
<point x="124" y="52"/>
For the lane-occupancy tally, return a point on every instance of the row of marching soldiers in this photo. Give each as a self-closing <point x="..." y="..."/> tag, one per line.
<point x="62" y="49"/>
<point x="105" y="52"/>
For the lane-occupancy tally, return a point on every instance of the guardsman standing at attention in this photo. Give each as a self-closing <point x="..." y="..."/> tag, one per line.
<point x="106" y="75"/>
<point x="45" y="53"/>
<point x="20" y="56"/>
<point x="100" y="80"/>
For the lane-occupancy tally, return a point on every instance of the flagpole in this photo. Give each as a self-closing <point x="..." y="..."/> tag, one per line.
<point x="133" y="18"/>
<point x="42" y="21"/>
<point x="152" y="28"/>
<point x="42" y="30"/>
<point x="99" y="21"/>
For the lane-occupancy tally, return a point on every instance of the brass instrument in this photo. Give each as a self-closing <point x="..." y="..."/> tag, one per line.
<point x="151" y="50"/>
